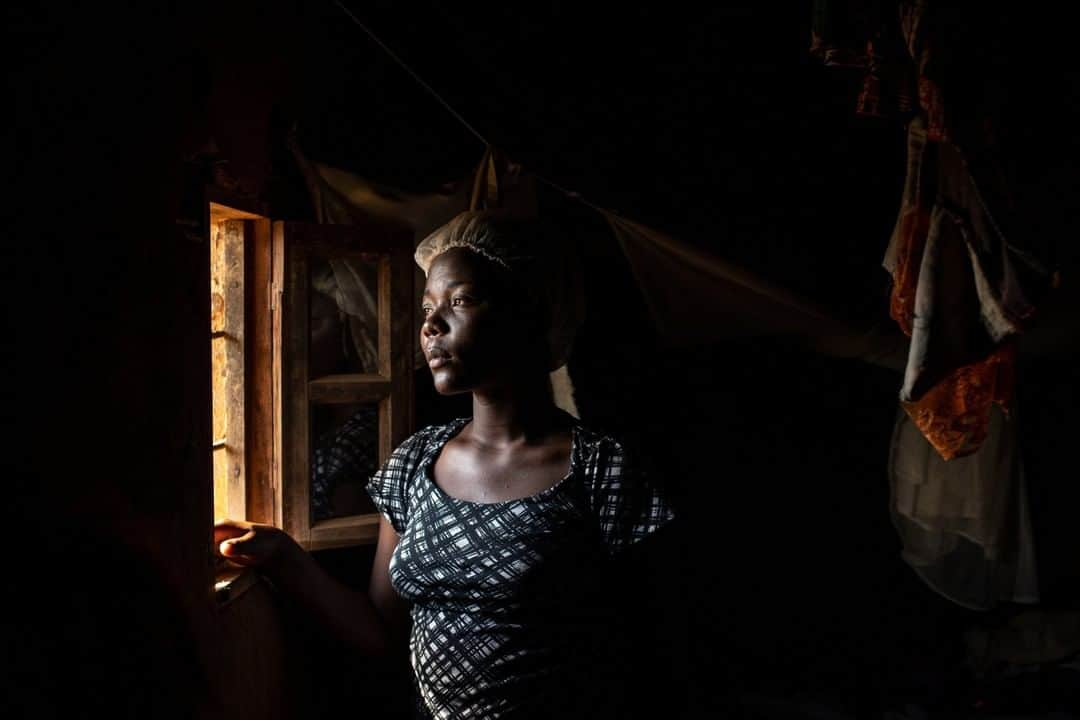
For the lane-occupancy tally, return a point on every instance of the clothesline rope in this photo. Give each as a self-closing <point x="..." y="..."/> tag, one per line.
<point x="412" y="73"/>
<point x="449" y="108"/>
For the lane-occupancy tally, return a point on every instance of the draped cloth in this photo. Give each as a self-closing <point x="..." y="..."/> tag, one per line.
<point x="965" y="282"/>
<point x="695" y="297"/>
<point x="964" y="523"/>
<point x="965" y="288"/>
<point x="959" y="293"/>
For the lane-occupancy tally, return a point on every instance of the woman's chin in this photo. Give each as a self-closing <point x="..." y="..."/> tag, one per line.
<point x="448" y="385"/>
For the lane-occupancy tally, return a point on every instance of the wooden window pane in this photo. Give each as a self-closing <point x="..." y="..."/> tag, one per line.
<point x="344" y="454"/>
<point x="344" y="315"/>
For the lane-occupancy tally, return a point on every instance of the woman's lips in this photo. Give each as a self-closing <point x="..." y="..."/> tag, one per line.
<point x="437" y="357"/>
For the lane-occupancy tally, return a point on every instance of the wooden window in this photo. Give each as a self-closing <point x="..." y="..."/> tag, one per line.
<point x="344" y="358"/>
<point x="311" y="343"/>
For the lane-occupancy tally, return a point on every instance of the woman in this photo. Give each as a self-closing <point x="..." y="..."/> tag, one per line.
<point x="497" y="529"/>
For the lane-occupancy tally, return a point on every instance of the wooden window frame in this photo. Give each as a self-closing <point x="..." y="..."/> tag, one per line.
<point x="278" y="391"/>
<point x="293" y="246"/>
<point x="250" y="497"/>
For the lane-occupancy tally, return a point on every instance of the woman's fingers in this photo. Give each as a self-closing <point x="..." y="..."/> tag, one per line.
<point x="227" y="529"/>
<point x="250" y="543"/>
<point x="233" y="547"/>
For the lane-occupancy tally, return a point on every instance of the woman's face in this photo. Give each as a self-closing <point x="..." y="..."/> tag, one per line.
<point x="472" y="336"/>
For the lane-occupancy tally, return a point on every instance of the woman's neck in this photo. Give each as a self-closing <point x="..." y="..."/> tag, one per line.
<point x="516" y="412"/>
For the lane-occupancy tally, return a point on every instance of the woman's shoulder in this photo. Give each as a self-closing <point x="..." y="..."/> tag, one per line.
<point x="597" y="445"/>
<point x="621" y="488"/>
<point x="411" y="453"/>
<point x="429" y="437"/>
<point x="393" y="486"/>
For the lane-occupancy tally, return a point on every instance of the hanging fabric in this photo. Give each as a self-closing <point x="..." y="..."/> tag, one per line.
<point x="499" y="183"/>
<point x="695" y="297"/>
<point x="964" y="524"/>
<point x="963" y="287"/>
<point x="957" y="292"/>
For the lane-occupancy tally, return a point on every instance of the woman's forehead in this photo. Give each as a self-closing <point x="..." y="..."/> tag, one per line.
<point x="458" y="266"/>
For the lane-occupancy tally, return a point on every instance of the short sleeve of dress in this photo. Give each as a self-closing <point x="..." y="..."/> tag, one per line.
<point x="626" y="502"/>
<point x="389" y="486"/>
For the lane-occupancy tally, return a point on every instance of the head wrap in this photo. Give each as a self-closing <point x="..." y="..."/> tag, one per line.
<point x="541" y="261"/>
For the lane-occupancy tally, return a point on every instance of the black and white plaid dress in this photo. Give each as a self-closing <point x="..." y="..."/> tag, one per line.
<point x="506" y="605"/>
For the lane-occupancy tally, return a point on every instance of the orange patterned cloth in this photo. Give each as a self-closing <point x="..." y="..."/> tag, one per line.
<point x="954" y="414"/>
<point x="956" y="295"/>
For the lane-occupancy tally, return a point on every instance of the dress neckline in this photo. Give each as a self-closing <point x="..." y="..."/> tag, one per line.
<point x="454" y="427"/>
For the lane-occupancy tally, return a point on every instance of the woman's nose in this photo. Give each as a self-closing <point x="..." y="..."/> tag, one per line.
<point x="433" y="325"/>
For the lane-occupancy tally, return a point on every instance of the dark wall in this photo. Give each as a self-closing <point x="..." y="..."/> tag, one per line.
<point x="104" y="387"/>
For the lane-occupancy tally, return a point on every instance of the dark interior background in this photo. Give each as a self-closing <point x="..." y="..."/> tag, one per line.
<point x="710" y="123"/>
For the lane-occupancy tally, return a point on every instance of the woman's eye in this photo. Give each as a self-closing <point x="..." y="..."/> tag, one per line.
<point x="459" y="300"/>
<point x="426" y="310"/>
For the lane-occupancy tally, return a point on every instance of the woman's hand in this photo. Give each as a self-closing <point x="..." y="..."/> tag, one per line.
<point x="251" y="544"/>
<point x="350" y="613"/>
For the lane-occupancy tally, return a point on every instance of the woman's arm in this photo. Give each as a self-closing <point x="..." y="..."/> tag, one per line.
<point x="371" y="622"/>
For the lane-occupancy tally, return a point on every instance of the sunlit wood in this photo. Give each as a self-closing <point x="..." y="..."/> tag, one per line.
<point x="221" y="469"/>
<point x="219" y="213"/>
<point x="227" y="303"/>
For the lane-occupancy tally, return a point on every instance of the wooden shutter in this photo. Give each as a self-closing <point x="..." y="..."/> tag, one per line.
<point x="305" y="392"/>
